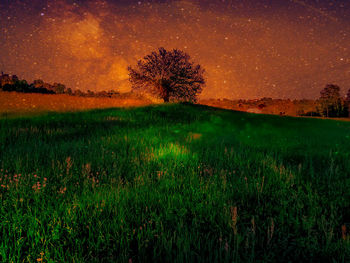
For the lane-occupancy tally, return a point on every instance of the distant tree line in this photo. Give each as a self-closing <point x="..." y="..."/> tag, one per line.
<point x="330" y="103"/>
<point x="13" y="83"/>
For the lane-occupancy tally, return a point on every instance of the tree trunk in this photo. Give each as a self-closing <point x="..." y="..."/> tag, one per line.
<point x="166" y="95"/>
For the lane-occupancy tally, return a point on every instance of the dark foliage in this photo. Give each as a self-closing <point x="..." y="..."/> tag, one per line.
<point x="12" y="83"/>
<point x="331" y="104"/>
<point x="23" y="87"/>
<point x="310" y="114"/>
<point x="169" y="75"/>
<point x="59" y="88"/>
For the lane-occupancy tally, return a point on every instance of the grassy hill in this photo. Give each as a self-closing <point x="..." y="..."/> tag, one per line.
<point x="174" y="183"/>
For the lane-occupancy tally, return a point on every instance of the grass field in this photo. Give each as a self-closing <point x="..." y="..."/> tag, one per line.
<point x="174" y="183"/>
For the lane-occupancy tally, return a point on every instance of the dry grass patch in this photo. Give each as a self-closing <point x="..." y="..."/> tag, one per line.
<point x="13" y="102"/>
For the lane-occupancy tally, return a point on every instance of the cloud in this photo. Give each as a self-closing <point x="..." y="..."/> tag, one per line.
<point x="82" y="44"/>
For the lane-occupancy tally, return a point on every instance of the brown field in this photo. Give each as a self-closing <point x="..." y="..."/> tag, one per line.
<point x="29" y="103"/>
<point x="275" y="107"/>
<point x="14" y="103"/>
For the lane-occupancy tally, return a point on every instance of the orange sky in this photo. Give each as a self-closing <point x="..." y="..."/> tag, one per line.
<point x="250" y="49"/>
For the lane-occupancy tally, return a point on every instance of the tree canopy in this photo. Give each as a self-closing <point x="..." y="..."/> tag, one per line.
<point x="330" y="102"/>
<point x="348" y="97"/>
<point x="169" y="75"/>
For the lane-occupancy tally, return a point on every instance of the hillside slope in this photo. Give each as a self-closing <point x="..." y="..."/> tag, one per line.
<point x="174" y="183"/>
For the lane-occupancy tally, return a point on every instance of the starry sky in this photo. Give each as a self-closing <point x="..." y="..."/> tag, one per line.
<point x="249" y="49"/>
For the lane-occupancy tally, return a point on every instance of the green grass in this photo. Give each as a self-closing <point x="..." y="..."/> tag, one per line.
<point x="174" y="183"/>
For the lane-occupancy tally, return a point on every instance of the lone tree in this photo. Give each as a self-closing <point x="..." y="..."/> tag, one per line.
<point x="330" y="102"/>
<point x="169" y="75"/>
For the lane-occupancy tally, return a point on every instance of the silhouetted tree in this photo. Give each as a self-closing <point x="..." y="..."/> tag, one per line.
<point x="21" y="86"/>
<point x="38" y="83"/>
<point x="90" y="93"/>
<point x="13" y="83"/>
<point x="8" y="87"/>
<point x="15" y="78"/>
<point x="5" y="79"/>
<point x="347" y="99"/>
<point x="78" y="92"/>
<point x="330" y="102"/>
<point x="69" y="91"/>
<point x="59" y="88"/>
<point x="102" y="93"/>
<point x="169" y="75"/>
